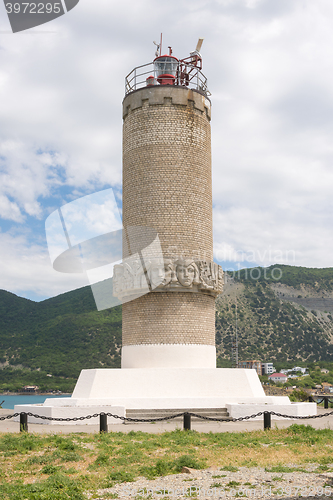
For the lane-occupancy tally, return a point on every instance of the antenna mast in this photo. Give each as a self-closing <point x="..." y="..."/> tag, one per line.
<point x="158" y="52"/>
<point x="234" y="345"/>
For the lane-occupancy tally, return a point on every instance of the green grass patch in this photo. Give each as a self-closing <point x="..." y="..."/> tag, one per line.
<point x="75" y="464"/>
<point x="233" y="483"/>
<point x="230" y="468"/>
<point x="284" y="469"/>
<point x="56" y="487"/>
<point x="164" y="467"/>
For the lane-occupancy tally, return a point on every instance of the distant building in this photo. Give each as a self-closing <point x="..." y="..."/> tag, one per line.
<point x="294" y="370"/>
<point x="327" y="387"/>
<point x="252" y="364"/>
<point x="298" y="369"/>
<point x="267" y="368"/>
<point x="323" y="370"/>
<point x="278" y="377"/>
<point x="30" y="388"/>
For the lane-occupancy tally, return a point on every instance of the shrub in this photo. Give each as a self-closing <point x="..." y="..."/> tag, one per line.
<point x="299" y="395"/>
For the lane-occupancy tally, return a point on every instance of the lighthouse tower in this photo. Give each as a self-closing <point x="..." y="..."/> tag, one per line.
<point x="167" y="186"/>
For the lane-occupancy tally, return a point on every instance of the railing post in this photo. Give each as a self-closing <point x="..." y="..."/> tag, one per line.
<point x="326" y="402"/>
<point x="103" y="422"/>
<point x="267" y="420"/>
<point x="23" y="422"/>
<point x="187" y="422"/>
<point x="311" y="400"/>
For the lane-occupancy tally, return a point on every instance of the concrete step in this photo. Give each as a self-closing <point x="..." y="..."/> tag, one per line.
<point x="220" y="413"/>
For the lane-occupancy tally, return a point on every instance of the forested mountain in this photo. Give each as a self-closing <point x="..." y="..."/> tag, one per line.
<point x="58" y="337"/>
<point x="284" y="313"/>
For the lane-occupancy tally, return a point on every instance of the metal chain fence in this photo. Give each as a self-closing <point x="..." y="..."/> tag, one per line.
<point x="186" y="416"/>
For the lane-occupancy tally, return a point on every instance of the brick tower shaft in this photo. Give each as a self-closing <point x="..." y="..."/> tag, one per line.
<point x="167" y="186"/>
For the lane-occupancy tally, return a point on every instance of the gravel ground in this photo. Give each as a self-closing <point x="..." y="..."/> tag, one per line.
<point x="207" y="484"/>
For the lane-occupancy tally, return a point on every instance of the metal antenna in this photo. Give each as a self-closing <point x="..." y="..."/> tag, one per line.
<point x="234" y="345"/>
<point x="157" y="49"/>
<point x="198" y="47"/>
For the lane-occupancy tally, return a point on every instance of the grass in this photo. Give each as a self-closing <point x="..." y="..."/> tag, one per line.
<point x="230" y="468"/>
<point x="53" y="467"/>
<point x="233" y="483"/>
<point x="284" y="469"/>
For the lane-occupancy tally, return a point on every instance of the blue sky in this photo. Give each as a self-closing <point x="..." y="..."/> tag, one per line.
<point x="270" y="70"/>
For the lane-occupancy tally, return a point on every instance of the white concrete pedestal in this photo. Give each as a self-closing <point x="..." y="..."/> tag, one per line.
<point x="115" y="390"/>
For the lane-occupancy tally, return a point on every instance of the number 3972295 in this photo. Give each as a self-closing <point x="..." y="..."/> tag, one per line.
<point x="33" y="8"/>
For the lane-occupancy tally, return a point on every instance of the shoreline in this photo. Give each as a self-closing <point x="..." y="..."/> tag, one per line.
<point x="35" y="394"/>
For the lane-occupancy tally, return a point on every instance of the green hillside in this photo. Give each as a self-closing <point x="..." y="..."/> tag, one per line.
<point x="318" y="280"/>
<point x="284" y="319"/>
<point x="58" y="337"/>
<point x="284" y="314"/>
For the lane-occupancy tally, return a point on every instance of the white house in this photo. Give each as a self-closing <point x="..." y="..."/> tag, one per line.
<point x="278" y="377"/>
<point x="299" y="369"/>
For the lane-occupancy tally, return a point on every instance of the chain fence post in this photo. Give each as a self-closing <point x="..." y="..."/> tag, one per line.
<point x="23" y="422"/>
<point x="311" y="400"/>
<point x="187" y="422"/>
<point x="103" y="422"/>
<point x="267" y="420"/>
<point x="326" y="403"/>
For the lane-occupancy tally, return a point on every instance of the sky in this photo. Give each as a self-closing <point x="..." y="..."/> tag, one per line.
<point x="269" y="67"/>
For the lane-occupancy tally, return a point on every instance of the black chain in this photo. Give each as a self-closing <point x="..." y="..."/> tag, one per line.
<point x="8" y="417"/>
<point x="224" y="419"/>
<point x="75" y="419"/>
<point x="318" y="400"/>
<point x="259" y="415"/>
<point x="160" y="419"/>
<point x="58" y="419"/>
<point x="170" y="417"/>
<point x="301" y="417"/>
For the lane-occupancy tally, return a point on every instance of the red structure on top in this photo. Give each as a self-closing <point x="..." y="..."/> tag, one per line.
<point x="172" y="71"/>
<point x="166" y="69"/>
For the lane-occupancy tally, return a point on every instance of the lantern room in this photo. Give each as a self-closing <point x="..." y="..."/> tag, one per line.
<point x="166" y="69"/>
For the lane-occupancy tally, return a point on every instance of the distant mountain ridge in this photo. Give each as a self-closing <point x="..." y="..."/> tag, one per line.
<point x="282" y="316"/>
<point x="284" y="319"/>
<point x="60" y="335"/>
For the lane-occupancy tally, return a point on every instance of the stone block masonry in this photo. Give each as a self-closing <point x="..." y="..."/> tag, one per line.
<point x="169" y="318"/>
<point x="167" y="180"/>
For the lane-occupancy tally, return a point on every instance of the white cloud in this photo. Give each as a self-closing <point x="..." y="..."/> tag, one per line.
<point x="26" y="267"/>
<point x="9" y="210"/>
<point x="25" y="176"/>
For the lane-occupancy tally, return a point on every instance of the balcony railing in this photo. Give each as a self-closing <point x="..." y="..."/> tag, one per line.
<point x="187" y="75"/>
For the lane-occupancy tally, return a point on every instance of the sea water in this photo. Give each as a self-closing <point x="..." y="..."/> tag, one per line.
<point x="26" y="399"/>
